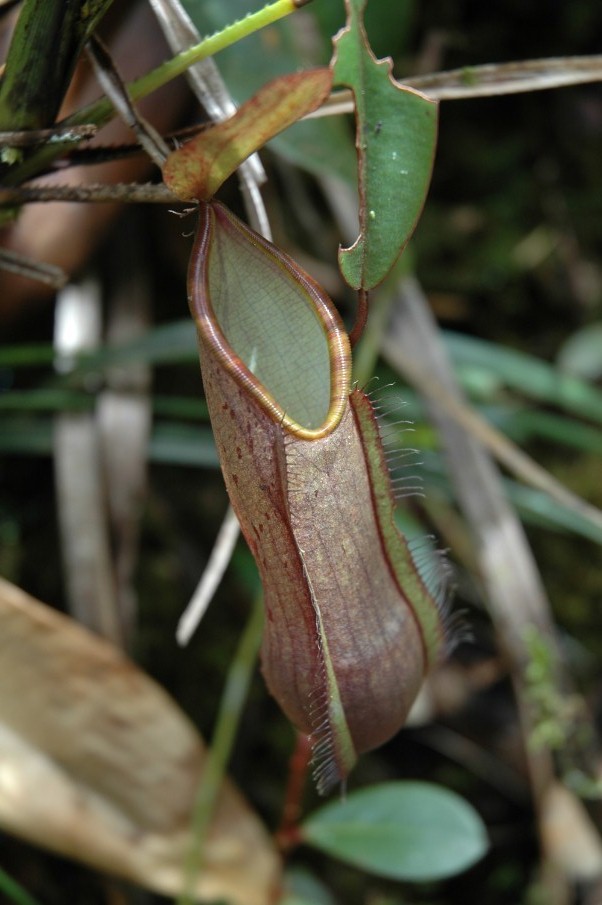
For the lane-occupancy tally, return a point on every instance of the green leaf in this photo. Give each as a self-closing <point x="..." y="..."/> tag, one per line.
<point x="67" y="400"/>
<point x="167" y="344"/>
<point x="45" y="400"/>
<point x="183" y="444"/>
<point x="403" y="830"/>
<point x="524" y="424"/>
<point x="169" y="444"/>
<point x="396" y="131"/>
<point x="528" y="375"/>
<point x="302" y="888"/>
<point x="535" y="507"/>
<point x="540" y="509"/>
<point x="15" y="356"/>
<point x="199" y="168"/>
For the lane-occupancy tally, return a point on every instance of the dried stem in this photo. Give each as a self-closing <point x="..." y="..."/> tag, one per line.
<point x="515" y="591"/>
<point x="219" y="560"/>
<point x="126" y="192"/>
<point x="487" y="81"/>
<point x="30" y="137"/>
<point x="115" y="89"/>
<point x="34" y="270"/>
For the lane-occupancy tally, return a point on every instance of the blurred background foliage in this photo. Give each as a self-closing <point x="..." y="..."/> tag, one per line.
<point x="508" y="252"/>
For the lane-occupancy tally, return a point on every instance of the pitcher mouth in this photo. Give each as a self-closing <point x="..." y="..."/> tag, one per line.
<point x="326" y="324"/>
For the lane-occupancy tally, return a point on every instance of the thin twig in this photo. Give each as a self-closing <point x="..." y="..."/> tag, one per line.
<point x="515" y="592"/>
<point x="105" y="153"/>
<point x="34" y="270"/>
<point x="514" y="77"/>
<point x="487" y="81"/>
<point x="29" y="137"/>
<point x="219" y="559"/>
<point x="115" y="89"/>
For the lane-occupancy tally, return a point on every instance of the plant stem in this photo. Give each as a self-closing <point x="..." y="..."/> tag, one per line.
<point x="367" y="350"/>
<point x="288" y="835"/>
<point x="229" y="35"/>
<point x="228" y="719"/>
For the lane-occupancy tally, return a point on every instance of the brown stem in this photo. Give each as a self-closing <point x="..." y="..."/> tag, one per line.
<point x="287" y="836"/>
<point x="127" y="192"/>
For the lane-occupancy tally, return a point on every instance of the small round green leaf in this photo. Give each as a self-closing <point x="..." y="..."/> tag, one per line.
<point x="302" y="888"/>
<point x="402" y="830"/>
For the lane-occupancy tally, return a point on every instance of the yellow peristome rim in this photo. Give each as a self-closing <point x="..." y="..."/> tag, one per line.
<point x="209" y="329"/>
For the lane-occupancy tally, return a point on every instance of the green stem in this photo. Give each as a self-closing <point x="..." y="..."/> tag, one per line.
<point x="101" y="111"/>
<point x="228" y="719"/>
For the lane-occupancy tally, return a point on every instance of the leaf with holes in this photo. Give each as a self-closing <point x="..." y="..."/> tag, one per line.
<point x="396" y="132"/>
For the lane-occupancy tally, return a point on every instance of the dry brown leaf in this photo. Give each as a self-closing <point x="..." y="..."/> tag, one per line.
<point x="99" y="764"/>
